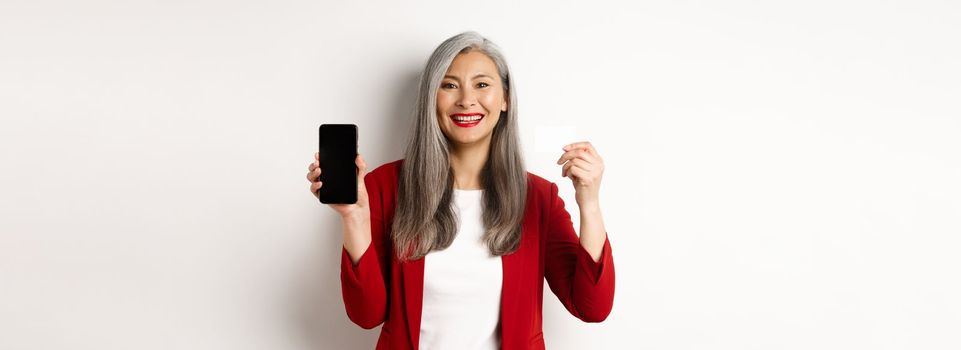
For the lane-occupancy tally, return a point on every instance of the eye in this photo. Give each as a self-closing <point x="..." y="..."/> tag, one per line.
<point x="485" y="84"/>
<point x="445" y="85"/>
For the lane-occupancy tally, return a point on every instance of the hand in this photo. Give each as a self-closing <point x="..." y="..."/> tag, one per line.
<point x="345" y="210"/>
<point x="585" y="167"/>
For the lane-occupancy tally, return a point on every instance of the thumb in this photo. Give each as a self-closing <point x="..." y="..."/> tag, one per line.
<point x="361" y="171"/>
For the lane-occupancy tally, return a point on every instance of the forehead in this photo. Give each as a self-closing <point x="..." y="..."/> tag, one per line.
<point x="471" y="65"/>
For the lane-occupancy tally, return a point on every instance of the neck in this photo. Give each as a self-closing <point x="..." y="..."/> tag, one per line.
<point x="467" y="162"/>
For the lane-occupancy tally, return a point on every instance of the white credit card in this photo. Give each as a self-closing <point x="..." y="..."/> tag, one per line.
<point x="552" y="138"/>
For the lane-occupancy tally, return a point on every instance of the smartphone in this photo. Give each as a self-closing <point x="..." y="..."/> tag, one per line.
<point x="338" y="173"/>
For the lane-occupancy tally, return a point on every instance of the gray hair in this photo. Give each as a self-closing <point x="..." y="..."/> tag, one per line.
<point x="424" y="218"/>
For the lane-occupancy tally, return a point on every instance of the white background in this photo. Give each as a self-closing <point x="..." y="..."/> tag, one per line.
<point x="779" y="176"/>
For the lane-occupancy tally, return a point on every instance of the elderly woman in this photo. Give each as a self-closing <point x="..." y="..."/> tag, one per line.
<point x="449" y="247"/>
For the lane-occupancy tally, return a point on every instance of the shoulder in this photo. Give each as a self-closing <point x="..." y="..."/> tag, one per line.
<point x="540" y="187"/>
<point x="389" y="171"/>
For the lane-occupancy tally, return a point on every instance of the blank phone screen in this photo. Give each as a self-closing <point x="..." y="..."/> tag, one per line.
<point x="338" y="173"/>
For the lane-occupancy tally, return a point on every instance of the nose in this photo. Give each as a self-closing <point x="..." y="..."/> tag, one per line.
<point x="467" y="99"/>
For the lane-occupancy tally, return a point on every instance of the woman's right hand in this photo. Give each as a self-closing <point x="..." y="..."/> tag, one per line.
<point x="345" y="210"/>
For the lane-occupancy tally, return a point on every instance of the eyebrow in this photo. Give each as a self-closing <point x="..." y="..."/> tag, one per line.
<point x="479" y="75"/>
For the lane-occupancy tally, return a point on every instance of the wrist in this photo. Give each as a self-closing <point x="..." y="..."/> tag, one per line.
<point x="589" y="205"/>
<point x="356" y="217"/>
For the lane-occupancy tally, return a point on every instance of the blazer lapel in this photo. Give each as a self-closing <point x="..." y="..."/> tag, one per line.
<point x="414" y="297"/>
<point x="513" y="298"/>
<point x="509" y="298"/>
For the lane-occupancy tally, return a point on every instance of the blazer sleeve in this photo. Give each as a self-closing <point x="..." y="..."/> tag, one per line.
<point x="585" y="287"/>
<point x="364" y="285"/>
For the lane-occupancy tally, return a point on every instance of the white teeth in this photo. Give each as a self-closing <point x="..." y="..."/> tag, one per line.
<point x="467" y="119"/>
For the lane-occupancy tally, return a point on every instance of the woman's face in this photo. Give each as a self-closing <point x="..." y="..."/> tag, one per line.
<point x="471" y="88"/>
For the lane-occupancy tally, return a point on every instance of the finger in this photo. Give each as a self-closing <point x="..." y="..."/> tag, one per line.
<point x="315" y="186"/>
<point x="577" y="162"/>
<point x="583" y="164"/>
<point x="587" y="146"/>
<point x="590" y="155"/>
<point x="317" y="155"/>
<point x="313" y="165"/>
<point x="590" y="148"/>
<point x="578" y="172"/>
<point x="361" y="164"/>
<point x="313" y="175"/>
<point x="361" y="169"/>
<point x="576" y="153"/>
<point x="565" y="168"/>
<point x="576" y="145"/>
<point x="566" y="155"/>
<point x="595" y="157"/>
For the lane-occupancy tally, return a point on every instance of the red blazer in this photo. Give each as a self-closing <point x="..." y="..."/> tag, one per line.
<point x="380" y="289"/>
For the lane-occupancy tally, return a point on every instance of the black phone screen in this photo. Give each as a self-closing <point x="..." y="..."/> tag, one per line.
<point x="338" y="173"/>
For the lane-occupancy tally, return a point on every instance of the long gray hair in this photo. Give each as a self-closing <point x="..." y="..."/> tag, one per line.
<point x="424" y="219"/>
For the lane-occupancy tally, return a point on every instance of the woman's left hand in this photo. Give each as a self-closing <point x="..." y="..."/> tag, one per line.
<point x="585" y="168"/>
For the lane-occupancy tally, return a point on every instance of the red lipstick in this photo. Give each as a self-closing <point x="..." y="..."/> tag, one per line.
<point x="466" y="120"/>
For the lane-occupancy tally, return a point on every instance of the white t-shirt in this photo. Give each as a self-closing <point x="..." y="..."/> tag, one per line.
<point x="462" y="286"/>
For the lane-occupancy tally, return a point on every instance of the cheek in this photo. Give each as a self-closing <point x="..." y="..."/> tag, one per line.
<point x="444" y="100"/>
<point x="494" y="98"/>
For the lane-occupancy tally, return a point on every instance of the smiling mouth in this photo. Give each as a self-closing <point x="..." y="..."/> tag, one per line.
<point x="466" y="120"/>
